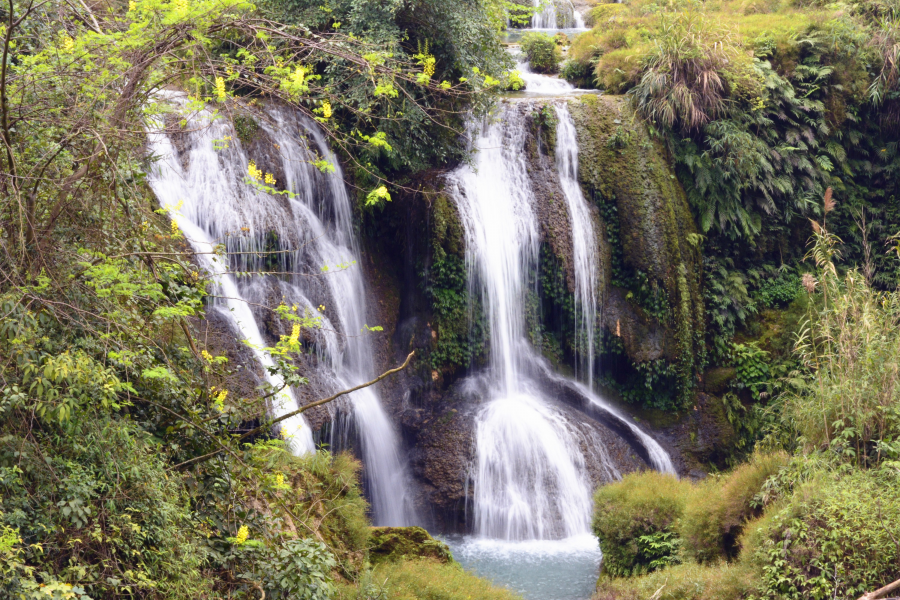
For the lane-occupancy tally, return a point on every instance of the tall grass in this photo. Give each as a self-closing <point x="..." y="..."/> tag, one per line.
<point x="684" y="84"/>
<point x="850" y="342"/>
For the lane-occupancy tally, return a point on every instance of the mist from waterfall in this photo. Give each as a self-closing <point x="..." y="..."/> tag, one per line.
<point x="307" y="238"/>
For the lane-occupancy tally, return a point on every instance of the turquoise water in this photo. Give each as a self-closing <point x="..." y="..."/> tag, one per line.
<point x="539" y="570"/>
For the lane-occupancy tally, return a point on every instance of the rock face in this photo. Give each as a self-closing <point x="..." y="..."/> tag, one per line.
<point x="652" y="298"/>
<point x="413" y="258"/>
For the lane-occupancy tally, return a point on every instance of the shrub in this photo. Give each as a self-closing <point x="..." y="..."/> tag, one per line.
<point x="295" y="569"/>
<point x="619" y="70"/>
<point x="682" y="582"/>
<point x="542" y="51"/>
<point x="634" y="519"/>
<point x="836" y="537"/>
<point x="718" y="508"/>
<point x="603" y="13"/>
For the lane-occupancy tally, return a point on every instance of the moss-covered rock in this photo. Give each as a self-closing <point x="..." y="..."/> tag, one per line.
<point x="653" y="256"/>
<point x="717" y="380"/>
<point x="392" y="544"/>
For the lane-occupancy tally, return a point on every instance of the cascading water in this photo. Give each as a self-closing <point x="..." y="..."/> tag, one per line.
<point x="585" y="252"/>
<point x="201" y="184"/>
<point x="530" y="480"/>
<point x="548" y="17"/>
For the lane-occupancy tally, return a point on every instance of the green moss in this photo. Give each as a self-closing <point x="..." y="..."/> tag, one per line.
<point x="642" y="504"/>
<point x="649" y="226"/>
<point x="392" y="544"/>
<point x="717" y="380"/>
<point x="458" y="320"/>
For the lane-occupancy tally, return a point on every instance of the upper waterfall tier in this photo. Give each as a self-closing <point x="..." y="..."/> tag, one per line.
<point x="298" y="248"/>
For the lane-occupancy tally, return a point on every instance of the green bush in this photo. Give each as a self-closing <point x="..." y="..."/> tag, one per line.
<point x="634" y="520"/>
<point x="542" y="51"/>
<point x="719" y="507"/>
<point x="295" y="570"/>
<point x="837" y="537"/>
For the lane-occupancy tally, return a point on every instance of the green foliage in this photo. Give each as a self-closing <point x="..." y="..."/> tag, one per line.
<point x="661" y="547"/>
<point x="779" y="291"/>
<point x="461" y="49"/>
<point x="104" y="492"/>
<point x="752" y="366"/>
<point x="720" y="506"/>
<point x="295" y="569"/>
<point x="849" y="343"/>
<point x="542" y="51"/>
<point x="684" y="85"/>
<point x="837" y="537"/>
<point x="393" y="544"/>
<point x="688" y="581"/>
<point x="460" y="327"/>
<point x="634" y="520"/>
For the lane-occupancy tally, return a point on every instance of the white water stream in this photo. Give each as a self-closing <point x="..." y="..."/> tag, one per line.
<point x="548" y="17"/>
<point x="201" y="182"/>
<point x="586" y="259"/>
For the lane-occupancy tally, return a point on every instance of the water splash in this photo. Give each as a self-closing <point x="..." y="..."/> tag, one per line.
<point x="296" y="236"/>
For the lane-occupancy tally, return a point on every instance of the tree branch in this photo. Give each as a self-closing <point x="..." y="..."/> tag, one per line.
<point x="329" y="399"/>
<point x="297" y="412"/>
<point x="879" y="592"/>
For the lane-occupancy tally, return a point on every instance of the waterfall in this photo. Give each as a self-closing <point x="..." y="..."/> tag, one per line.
<point x="547" y="18"/>
<point x="530" y="478"/>
<point x="199" y="178"/>
<point x="585" y="259"/>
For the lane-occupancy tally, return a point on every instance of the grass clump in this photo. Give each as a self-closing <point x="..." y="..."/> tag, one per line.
<point x="542" y="51"/>
<point x="688" y="581"/>
<point x="719" y="507"/>
<point x="634" y="521"/>
<point x="428" y="579"/>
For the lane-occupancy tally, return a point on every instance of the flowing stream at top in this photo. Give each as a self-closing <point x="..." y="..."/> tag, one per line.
<point x="548" y="18"/>
<point x="199" y="178"/>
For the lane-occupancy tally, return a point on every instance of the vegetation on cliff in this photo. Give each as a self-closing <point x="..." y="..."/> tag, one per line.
<point x="820" y="523"/>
